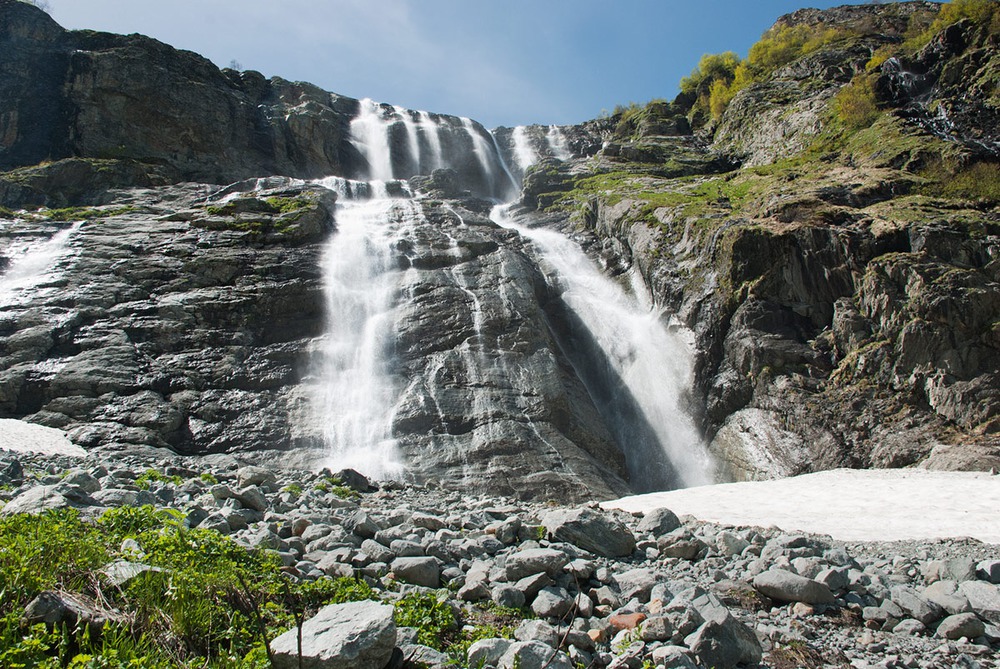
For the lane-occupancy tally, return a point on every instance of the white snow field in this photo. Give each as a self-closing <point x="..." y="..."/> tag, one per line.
<point x="847" y="504"/>
<point x="21" y="437"/>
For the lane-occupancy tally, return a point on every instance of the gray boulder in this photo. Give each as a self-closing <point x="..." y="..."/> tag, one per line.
<point x="636" y="583"/>
<point x="47" y="497"/>
<point x="55" y="608"/>
<point x="947" y="595"/>
<point x="423" y="571"/>
<point x="552" y="602"/>
<point x="593" y="531"/>
<point x="658" y="522"/>
<point x="961" y="625"/>
<point x="784" y="586"/>
<point x="356" y="635"/>
<point x="984" y="599"/>
<point x="916" y="606"/>
<point x="989" y="570"/>
<point x="724" y="644"/>
<point x="534" y="561"/>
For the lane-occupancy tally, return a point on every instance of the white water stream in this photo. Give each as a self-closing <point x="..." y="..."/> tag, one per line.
<point x="648" y="365"/>
<point x="357" y="395"/>
<point x="32" y="264"/>
<point x="636" y="369"/>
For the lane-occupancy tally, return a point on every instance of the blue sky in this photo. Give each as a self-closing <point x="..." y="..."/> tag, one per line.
<point x="506" y="62"/>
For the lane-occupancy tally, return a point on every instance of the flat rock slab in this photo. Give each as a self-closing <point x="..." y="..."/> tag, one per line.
<point x="356" y="635"/>
<point x="22" y="437"/>
<point x="910" y="504"/>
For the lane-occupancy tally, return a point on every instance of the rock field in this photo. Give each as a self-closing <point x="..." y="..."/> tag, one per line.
<point x="596" y="588"/>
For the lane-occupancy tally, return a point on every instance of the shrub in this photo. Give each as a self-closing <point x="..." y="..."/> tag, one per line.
<point x="854" y="104"/>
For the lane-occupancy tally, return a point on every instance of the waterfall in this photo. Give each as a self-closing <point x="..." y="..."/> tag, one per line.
<point x="430" y="131"/>
<point x="648" y="366"/>
<point x="356" y="389"/>
<point x="558" y="145"/>
<point x="635" y="369"/>
<point x="412" y="138"/>
<point x="370" y="136"/>
<point x="523" y="153"/>
<point x="32" y="264"/>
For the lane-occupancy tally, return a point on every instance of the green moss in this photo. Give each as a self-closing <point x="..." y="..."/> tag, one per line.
<point x="83" y="213"/>
<point x="286" y="205"/>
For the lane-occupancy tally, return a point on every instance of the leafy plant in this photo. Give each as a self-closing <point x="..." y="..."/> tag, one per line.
<point x="149" y="476"/>
<point x="432" y="616"/>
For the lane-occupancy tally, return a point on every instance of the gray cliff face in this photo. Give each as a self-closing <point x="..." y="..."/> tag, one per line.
<point x="100" y="96"/>
<point x="166" y="327"/>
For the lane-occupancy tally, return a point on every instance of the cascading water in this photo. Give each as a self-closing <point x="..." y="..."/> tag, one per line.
<point x="31" y="264"/>
<point x="370" y="137"/>
<point x="524" y="154"/>
<point x="357" y="394"/>
<point x="647" y="366"/>
<point x="634" y="368"/>
<point x="557" y="143"/>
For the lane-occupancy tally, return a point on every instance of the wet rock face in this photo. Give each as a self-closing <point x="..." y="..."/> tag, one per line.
<point x="487" y="398"/>
<point x="170" y="326"/>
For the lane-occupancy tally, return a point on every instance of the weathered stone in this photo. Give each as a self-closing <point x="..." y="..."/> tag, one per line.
<point x="531" y="585"/>
<point x="946" y="595"/>
<point x="916" y="606"/>
<point x="357" y="635"/>
<point x="658" y="522"/>
<point x="55" y="608"/>
<point x="636" y="583"/>
<point x="593" y="531"/>
<point x="785" y="586"/>
<point x="423" y="571"/>
<point x="552" y="602"/>
<point x="989" y="570"/>
<point x="984" y="598"/>
<point x="533" y="561"/>
<point x="961" y="625"/>
<point x="44" y="498"/>
<point x="724" y="645"/>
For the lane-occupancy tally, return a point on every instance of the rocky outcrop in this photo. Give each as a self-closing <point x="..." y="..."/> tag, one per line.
<point x="172" y="115"/>
<point x="180" y="325"/>
<point x="843" y="316"/>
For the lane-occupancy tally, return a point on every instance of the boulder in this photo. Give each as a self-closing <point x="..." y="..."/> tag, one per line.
<point x="984" y="598"/>
<point x="658" y="522"/>
<point x="356" y="635"/>
<point x="47" y="497"/>
<point x="594" y="531"/>
<point x="423" y="571"/>
<point x="961" y="625"/>
<point x="784" y="586"/>
<point x="916" y="606"/>
<point x="533" y="561"/>
<point x="724" y="645"/>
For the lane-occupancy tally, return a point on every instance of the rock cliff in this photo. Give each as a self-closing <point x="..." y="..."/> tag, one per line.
<point x="843" y="281"/>
<point x="830" y="238"/>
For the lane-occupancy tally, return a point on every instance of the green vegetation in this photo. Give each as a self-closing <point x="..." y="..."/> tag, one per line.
<point x="719" y="77"/>
<point x="6" y="213"/>
<point x="209" y="602"/>
<point x="209" y="478"/>
<point x="855" y="105"/>
<point x="151" y="475"/>
<point x="432" y="616"/>
<point x="82" y="213"/>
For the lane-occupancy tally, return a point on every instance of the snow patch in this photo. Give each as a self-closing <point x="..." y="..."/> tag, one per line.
<point x="847" y="504"/>
<point x="22" y="437"/>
